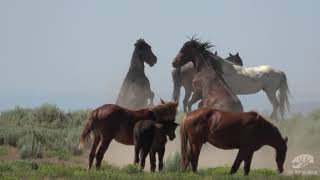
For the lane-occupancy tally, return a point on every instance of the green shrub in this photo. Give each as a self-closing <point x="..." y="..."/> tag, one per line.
<point x="3" y="150"/>
<point x="131" y="169"/>
<point x="30" y="147"/>
<point x="61" y="154"/>
<point x="10" y="136"/>
<point x="72" y="141"/>
<point x="172" y="163"/>
<point x="48" y="113"/>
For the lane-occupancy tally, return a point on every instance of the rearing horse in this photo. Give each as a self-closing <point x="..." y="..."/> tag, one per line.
<point x="182" y="77"/>
<point x="135" y="90"/>
<point x="207" y="84"/>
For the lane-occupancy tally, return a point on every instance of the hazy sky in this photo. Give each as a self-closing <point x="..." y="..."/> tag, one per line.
<point x="75" y="53"/>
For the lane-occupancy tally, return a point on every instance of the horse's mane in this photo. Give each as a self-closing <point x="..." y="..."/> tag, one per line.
<point x="141" y="42"/>
<point x="168" y="109"/>
<point x="205" y="50"/>
<point x="273" y="128"/>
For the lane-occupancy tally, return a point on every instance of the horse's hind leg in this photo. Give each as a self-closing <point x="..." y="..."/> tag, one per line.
<point x="272" y="96"/>
<point x="247" y="163"/>
<point x="152" y="156"/>
<point x="95" y="144"/>
<point x="102" y="149"/>
<point x="237" y="162"/>
<point x="186" y="99"/>
<point x="137" y="148"/>
<point x="160" y="158"/>
<point x="151" y="97"/>
<point x="143" y="154"/>
<point x="195" y="152"/>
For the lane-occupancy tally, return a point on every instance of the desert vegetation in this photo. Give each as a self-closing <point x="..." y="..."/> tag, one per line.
<point x="48" y="132"/>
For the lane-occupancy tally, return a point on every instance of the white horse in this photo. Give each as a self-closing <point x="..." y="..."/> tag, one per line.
<point x="250" y="80"/>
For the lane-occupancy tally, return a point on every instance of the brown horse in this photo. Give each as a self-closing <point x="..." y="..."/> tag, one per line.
<point x="247" y="132"/>
<point x="235" y="59"/>
<point x="208" y="83"/>
<point x="182" y="77"/>
<point x="135" y="90"/>
<point x="110" y="122"/>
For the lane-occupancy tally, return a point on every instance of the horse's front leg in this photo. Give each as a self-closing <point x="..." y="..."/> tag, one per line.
<point x="195" y="98"/>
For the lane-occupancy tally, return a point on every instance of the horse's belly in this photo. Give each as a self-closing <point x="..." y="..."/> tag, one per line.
<point x="224" y="140"/>
<point x="124" y="140"/>
<point x="124" y="135"/>
<point x="241" y="85"/>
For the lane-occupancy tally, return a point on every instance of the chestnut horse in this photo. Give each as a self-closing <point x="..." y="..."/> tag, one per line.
<point x="111" y="121"/>
<point x="246" y="131"/>
<point x="208" y="83"/>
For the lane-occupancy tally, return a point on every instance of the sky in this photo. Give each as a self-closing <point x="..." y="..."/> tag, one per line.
<point x="76" y="53"/>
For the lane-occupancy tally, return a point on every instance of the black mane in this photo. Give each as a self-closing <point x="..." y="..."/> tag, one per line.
<point x="141" y="43"/>
<point x="205" y="49"/>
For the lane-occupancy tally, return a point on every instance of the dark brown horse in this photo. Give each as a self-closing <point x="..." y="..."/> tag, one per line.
<point x="208" y="83"/>
<point x="110" y="122"/>
<point x="135" y="90"/>
<point x="183" y="76"/>
<point x="235" y="59"/>
<point x="150" y="137"/>
<point x="247" y="132"/>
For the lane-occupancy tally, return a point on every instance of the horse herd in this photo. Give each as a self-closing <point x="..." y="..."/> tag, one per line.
<point x="219" y="120"/>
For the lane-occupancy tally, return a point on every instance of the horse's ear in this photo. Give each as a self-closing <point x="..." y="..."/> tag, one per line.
<point x="216" y="53"/>
<point x="286" y="139"/>
<point x="238" y="54"/>
<point x="162" y="101"/>
<point x="230" y="54"/>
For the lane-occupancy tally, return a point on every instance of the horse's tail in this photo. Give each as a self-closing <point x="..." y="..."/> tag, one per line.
<point x="176" y="77"/>
<point x="87" y="129"/>
<point x="184" y="146"/>
<point x="283" y="94"/>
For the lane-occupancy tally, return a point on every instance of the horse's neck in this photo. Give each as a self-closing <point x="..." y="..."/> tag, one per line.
<point x="137" y="64"/>
<point x="227" y="67"/>
<point x="272" y="136"/>
<point x="143" y="114"/>
<point x="201" y="64"/>
<point x="159" y="137"/>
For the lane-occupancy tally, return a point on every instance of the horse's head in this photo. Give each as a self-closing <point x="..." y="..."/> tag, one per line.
<point x="235" y="59"/>
<point x="168" y="128"/>
<point x="145" y="53"/>
<point x="190" y="51"/>
<point x="166" y="111"/>
<point x="281" y="154"/>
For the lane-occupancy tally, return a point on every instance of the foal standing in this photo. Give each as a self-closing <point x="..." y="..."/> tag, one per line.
<point x="150" y="138"/>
